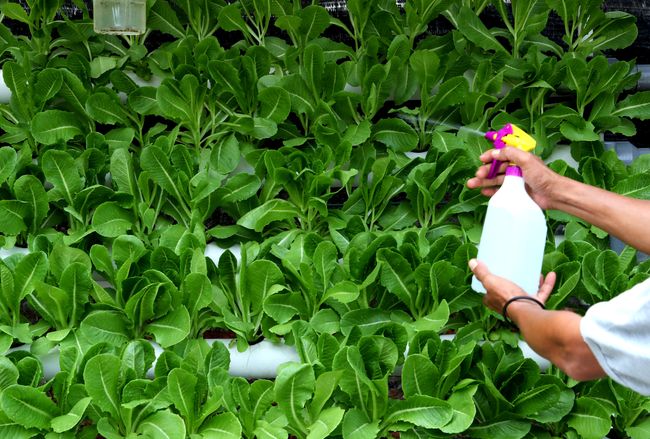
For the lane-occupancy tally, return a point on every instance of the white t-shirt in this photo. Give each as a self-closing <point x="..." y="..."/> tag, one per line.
<point x="618" y="334"/>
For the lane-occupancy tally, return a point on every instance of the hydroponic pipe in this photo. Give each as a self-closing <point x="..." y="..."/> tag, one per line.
<point x="259" y="361"/>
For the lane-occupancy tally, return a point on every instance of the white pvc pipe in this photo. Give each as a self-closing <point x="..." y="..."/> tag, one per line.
<point x="260" y="360"/>
<point x="214" y="252"/>
<point x="5" y="253"/>
<point x="50" y="360"/>
<point x="5" y="93"/>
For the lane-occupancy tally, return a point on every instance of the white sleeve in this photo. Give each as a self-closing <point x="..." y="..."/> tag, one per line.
<point x="618" y="334"/>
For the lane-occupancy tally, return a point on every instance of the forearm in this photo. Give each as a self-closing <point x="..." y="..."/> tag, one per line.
<point x="555" y="335"/>
<point x="624" y="217"/>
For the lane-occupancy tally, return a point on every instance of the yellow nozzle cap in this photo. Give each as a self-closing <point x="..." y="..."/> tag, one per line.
<point x="519" y="139"/>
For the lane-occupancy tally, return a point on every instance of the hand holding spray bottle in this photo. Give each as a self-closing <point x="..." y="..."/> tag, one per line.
<point x="514" y="231"/>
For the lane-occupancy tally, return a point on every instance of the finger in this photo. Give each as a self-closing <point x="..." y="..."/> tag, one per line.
<point x="547" y="287"/>
<point x="479" y="269"/>
<point x="489" y="191"/>
<point x="483" y="171"/>
<point x="511" y="154"/>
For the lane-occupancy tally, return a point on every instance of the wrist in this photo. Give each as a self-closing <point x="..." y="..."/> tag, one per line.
<point x="514" y="304"/>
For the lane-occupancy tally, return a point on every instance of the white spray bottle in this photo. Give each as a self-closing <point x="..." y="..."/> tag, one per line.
<point x="514" y="231"/>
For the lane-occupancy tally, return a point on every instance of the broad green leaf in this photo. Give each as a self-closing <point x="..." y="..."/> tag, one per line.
<point x="143" y="101"/>
<point x="618" y="31"/>
<point x="313" y="65"/>
<point x="397" y="276"/>
<point x="197" y="291"/>
<point x="30" y="190"/>
<point x="368" y="321"/>
<point x="101" y="377"/>
<point x="28" y="406"/>
<point x="635" y="106"/>
<point x="510" y="429"/>
<point x="343" y="292"/>
<point x="264" y="128"/>
<point x="262" y="275"/>
<point x="451" y="92"/>
<point x="294" y="386"/>
<point x="15" y="79"/>
<point x="266" y="430"/>
<point x="61" y="257"/>
<point x="171" y="101"/>
<point x="31" y="268"/>
<point x="225" y="155"/>
<point x="301" y="98"/>
<point x="640" y="429"/>
<point x="102" y="64"/>
<point x="357" y="426"/>
<point x="276" y="104"/>
<point x="579" y="131"/>
<point x="163" y="18"/>
<point x="419" y="376"/>
<point x="52" y="303"/>
<point x="464" y="410"/>
<point x="156" y="163"/>
<point x="106" y="109"/>
<point x="227" y="77"/>
<point x="111" y="220"/>
<point x="12" y="214"/>
<point x="60" y="170"/>
<point x="423" y="411"/>
<point x="72" y="418"/>
<point x="48" y="84"/>
<point x="396" y="134"/>
<point x="590" y="419"/>
<point x="172" y="328"/>
<point x="239" y="188"/>
<point x="325" y="321"/>
<point x="471" y="26"/>
<point x="223" y="426"/>
<point x="230" y="19"/>
<point x="326" y="422"/>
<point x="54" y="126"/>
<point x="77" y="283"/>
<point x="106" y="326"/>
<point x="282" y="307"/>
<point x="122" y="172"/>
<point x="163" y="425"/>
<point x="74" y="92"/>
<point x="425" y="65"/>
<point x="315" y="19"/>
<point x="8" y="373"/>
<point x="8" y="160"/>
<point x="435" y="320"/>
<point x="272" y="210"/>
<point x="357" y="134"/>
<point x="534" y="401"/>
<point x="15" y="11"/>
<point x="181" y="386"/>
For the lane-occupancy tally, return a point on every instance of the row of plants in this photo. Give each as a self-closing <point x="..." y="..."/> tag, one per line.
<point x="270" y="131"/>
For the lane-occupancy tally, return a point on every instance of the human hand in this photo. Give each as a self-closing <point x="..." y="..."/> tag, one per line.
<point x="541" y="182"/>
<point x="499" y="289"/>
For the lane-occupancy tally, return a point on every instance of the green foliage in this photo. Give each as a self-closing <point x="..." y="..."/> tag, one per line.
<point x="250" y="124"/>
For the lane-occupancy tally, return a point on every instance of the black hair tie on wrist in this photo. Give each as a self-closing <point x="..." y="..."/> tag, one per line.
<point x="504" y="310"/>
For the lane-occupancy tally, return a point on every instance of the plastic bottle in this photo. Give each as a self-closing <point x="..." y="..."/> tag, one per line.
<point x="514" y="232"/>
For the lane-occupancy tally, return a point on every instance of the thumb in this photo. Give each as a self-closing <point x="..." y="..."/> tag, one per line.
<point x="479" y="269"/>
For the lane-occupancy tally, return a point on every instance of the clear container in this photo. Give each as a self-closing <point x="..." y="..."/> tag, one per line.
<point x="514" y="235"/>
<point x="122" y="17"/>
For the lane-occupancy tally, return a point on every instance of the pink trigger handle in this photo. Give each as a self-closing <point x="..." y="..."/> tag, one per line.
<point x="496" y="138"/>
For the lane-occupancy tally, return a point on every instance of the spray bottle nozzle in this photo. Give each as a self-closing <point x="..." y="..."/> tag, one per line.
<point x="509" y="135"/>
